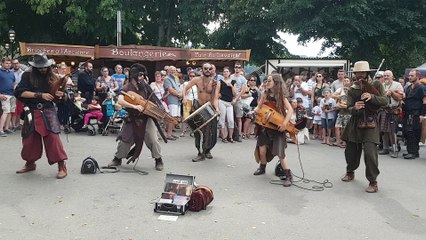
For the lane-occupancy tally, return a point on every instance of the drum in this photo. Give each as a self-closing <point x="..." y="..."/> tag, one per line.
<point x="201" y="117"/>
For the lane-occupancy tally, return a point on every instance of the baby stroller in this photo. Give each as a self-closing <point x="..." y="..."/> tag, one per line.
<point x="115" y="123"/>
<point x="76" y="120"/>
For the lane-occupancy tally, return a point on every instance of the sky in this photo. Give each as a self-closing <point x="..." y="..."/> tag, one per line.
<point x="311" y="49"/>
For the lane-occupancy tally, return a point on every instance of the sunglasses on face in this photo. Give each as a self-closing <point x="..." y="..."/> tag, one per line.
<point x="191" y="75"/>
<point x="252" y="80"/>
<point x="237" y="67"/>
<point x="207" y="69"/>
<point x="267" y="81"/>
<point x="319" y="76"/>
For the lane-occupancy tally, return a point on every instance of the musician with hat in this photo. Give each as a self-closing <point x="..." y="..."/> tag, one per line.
<point x="41" y="124"/>
<point x="272" y="142"/>
<point x="365" y="97"/>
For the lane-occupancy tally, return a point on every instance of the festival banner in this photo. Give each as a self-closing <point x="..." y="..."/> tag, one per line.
<point x="27" y="49"/>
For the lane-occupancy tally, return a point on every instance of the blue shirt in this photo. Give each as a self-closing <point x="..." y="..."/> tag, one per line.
<point x="171" y="82"/>
<point x="7" y="82"/>
<point x="119" y="79"/>
<point x="109" y="107"/>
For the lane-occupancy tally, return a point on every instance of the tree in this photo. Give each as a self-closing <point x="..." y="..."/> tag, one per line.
<point x="366" y="30"/>
<point x="249" y="25"/>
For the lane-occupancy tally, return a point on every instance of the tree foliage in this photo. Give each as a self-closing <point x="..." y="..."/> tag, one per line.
<point x="361" y="29"/>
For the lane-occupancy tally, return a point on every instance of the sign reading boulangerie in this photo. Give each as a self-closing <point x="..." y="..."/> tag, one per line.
<point x="142" y="53"/>
<point x="56" y="49"/>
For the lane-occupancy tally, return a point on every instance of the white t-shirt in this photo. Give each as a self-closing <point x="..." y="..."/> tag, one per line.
<point x="393" y="86"/>
<point x="317" y="113"/>
<point x="298" y="93"/>
<point x="336" y="85"/>
<point x="329" y="115"/>
<point x="240" y="82"/>
<point x="192" y="93"/>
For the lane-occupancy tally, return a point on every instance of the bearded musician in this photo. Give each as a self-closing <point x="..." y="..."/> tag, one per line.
<point x="365" y="97"/>
<point x="207" y="92"/>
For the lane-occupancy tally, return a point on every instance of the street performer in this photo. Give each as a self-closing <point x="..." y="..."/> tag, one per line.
<point x="206" y="93"/>
<point x="137" y="124"/>
<point x="414" y="112"/>
<point x="270" y="142"/>
<point x="365" y="97"/>
<point x="41" y="122"/>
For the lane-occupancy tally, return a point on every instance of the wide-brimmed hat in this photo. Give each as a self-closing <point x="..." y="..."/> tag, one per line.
<point x="40" y="60"/>
<point x="362" y="66"/>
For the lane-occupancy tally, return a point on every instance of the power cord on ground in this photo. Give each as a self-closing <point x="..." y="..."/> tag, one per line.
<point x="319" y="186"/>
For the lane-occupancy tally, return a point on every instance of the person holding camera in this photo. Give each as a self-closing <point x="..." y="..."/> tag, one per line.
<point x="328" y="107"/>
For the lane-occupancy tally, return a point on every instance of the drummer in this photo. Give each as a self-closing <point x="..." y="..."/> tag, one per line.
<point x="270" y="142"/>
<point x="206" y="93"/>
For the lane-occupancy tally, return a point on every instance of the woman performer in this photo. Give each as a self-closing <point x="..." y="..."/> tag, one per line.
<point x="271" y="143"/>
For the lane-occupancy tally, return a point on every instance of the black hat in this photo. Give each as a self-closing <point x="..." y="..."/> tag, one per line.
<point x="40" y="60"/>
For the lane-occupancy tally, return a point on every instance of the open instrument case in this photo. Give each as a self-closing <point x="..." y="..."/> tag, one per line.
<point x="176" y="194"/>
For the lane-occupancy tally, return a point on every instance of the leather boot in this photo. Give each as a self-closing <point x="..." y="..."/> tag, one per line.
<point x="260" y="170"/>
<point x="62" y="170"/>
<point x="199" y="158"/>
<point x="159" y="164"/>
<point x="289" y="178"/>
<point x="349" y="176"/>
<point x="115" y="162"/>
<point x="28" y="167"/>
<point x="208" y="155"/>
<point x="372" y="187"/>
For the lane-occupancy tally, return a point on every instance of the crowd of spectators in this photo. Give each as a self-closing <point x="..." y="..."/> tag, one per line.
<point x="322" y="104"/>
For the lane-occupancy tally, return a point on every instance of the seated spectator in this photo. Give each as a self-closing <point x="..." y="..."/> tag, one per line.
<point x="78" y="100"/>
<point x="94" y="110"/>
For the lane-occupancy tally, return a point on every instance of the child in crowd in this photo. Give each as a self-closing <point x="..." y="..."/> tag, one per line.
<point x="300" y="121"/>
<point x="317" y="119"/>
<point x="109" y="104"/>
<point x="94" y="110"/>
<point x="328" y="106"/>
<point x="120" y="113"/>
<point x="78" y="100"/>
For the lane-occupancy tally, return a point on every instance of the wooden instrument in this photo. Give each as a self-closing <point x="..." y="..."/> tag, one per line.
<point x="60" y="84"/>
<point x="270" y="118"/>
<point x="150" y="108"/>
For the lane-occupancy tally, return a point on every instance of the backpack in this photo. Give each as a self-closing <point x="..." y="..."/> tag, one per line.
<point x="89" y="166"/>
<point x="200" y="198"/>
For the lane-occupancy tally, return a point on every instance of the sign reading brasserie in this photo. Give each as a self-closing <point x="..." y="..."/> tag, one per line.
<point x="56" y="49"/>
<point x="141" y="53"/>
